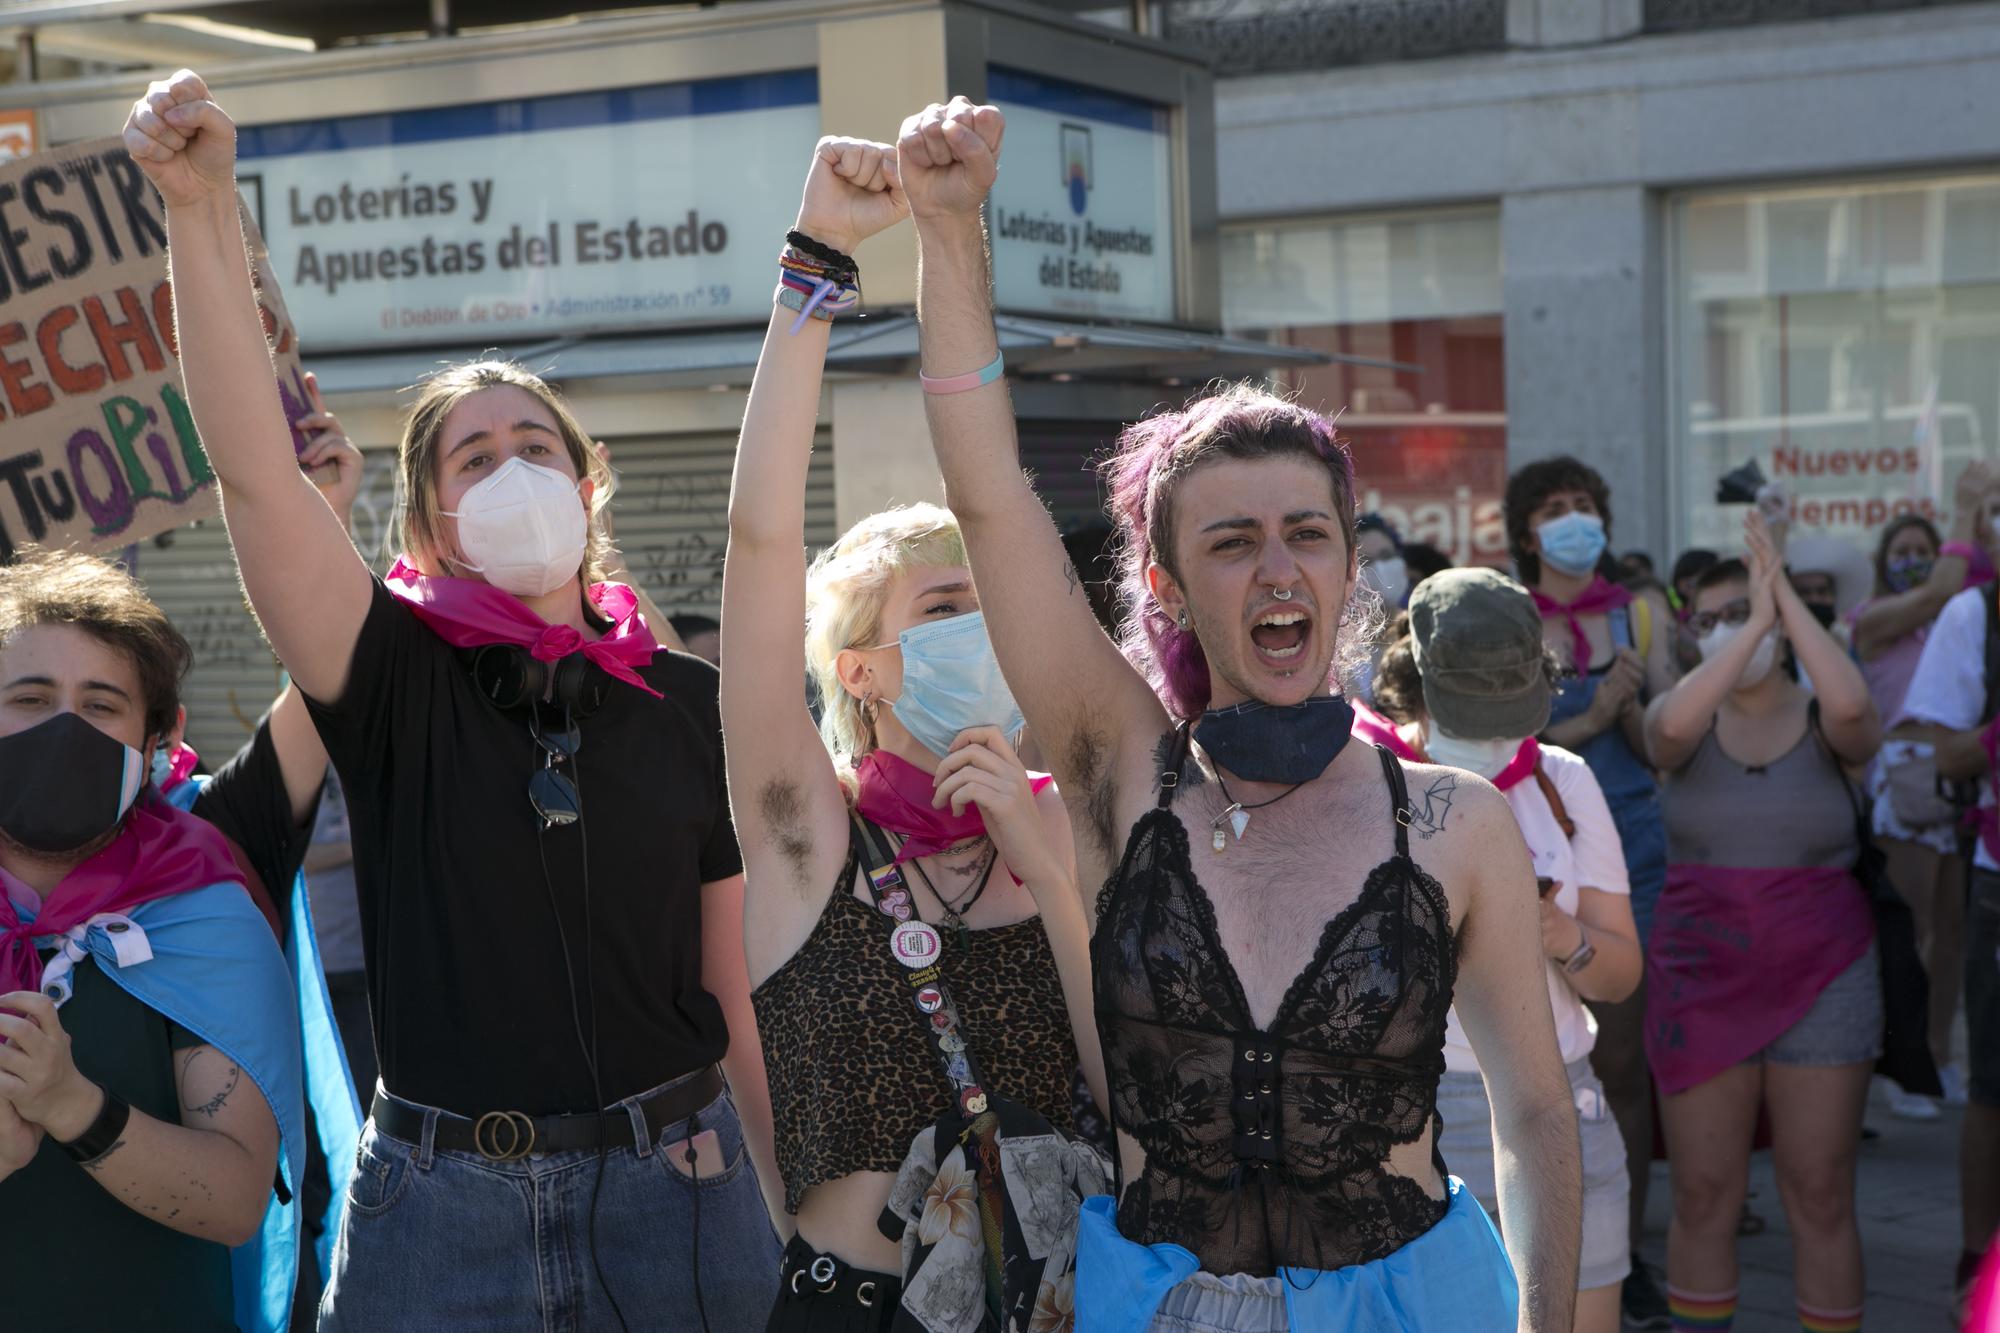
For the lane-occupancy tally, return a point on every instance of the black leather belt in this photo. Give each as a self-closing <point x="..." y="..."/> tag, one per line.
<point x="508" y="1136"/>
<point x="805" y="1275"/>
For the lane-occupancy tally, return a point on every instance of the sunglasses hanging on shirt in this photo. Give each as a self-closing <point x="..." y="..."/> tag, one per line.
<point x="551" y="790"/>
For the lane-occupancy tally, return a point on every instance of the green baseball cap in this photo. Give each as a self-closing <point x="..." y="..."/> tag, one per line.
<point x="1478" y="644"/>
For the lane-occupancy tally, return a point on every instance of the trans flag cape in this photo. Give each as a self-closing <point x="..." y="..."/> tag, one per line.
<point x="329" y="1090"/>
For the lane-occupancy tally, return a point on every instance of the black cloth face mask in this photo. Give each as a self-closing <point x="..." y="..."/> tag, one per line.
<point x="64" y="784"/>
<point x="1274" y="742"/>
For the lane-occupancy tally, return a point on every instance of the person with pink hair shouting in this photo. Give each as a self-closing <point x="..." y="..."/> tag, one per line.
<point x="1284" y="918"/>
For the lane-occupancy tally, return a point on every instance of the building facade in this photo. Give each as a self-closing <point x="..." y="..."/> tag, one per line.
<point x="603" y="199"/>
<point x="1670" y="237"/>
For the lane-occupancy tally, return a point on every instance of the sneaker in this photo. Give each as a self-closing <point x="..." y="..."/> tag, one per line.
<point x="1910" y="1105"/>
<point x="1953" y="1078"/>
<point x="1641" y="1302"/>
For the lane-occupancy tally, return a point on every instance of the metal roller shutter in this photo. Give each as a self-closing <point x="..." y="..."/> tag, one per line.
<point x="191" y="573"/>
<point x="1063" y="456"/>
<point x="670" y="514"/>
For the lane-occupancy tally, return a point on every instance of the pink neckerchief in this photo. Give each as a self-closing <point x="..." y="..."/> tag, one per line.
<point x="161" y="851"/>
<point x="896" y="794"/>
<point x="180" y="766"/>
<point x="1598" y="597"/>
<point x="1375" y="729"/>
<point x="1521" y="767"/>
<point x="469" y="614"/>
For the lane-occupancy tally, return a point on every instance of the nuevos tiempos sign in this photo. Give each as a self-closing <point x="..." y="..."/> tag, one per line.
<point x="619" y="208"/>
<point x="1082" y="215"/>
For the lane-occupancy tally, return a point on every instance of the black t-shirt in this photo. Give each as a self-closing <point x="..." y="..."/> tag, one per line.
<point x="459" y="883"/>
<point x="75" y="1257"/>
<point x="248" y="802"/>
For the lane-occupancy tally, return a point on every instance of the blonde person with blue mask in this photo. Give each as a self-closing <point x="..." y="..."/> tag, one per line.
<point x="915" y="742"/>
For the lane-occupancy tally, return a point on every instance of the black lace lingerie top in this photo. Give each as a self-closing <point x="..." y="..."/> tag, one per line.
<point x="1269" y="1149"/>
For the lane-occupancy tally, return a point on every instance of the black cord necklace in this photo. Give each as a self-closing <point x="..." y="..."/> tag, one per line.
<point x="954" y="912"/>
<point x="1236" y="814"/>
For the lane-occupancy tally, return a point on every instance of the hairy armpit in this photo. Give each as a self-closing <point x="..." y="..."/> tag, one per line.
<point x="1089" y="761"/>
<point x="782" y="808"/>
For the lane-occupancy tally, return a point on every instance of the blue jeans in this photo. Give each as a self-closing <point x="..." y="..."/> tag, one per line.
<point x="434" y="1239"/>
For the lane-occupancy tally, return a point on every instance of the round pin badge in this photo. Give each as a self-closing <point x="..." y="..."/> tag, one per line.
<point x="915" y="944"/>
<point x="942" y="1022"/>
<point x="951" y="1043"/>
<point x="930" y="999"/>
<point x="958" y="1069"/>
<point x="973" y="1100"/>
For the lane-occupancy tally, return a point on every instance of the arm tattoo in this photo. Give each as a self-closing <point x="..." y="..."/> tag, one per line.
<point x="1429" y="811"/>
<point x="215" y="1103"/>
<point x="1191" y="776"/>
<point x="1070" y="575"/>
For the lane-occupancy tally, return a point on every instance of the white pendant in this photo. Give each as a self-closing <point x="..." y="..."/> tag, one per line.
<point x="1238" y="821"/>
<point x="1218" y="842"/>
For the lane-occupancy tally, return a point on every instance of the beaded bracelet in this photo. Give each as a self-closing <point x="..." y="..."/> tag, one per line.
<point x="819" y="285"/>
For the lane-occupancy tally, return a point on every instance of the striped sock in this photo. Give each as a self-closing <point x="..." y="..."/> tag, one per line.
<point x="1815" y="1320"/>
<point x="1701" y="1312"/>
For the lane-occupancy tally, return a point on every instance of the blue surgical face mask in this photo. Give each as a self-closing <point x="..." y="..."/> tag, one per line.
<point x="1572" y="543"/>
<point x="952" y="681"/>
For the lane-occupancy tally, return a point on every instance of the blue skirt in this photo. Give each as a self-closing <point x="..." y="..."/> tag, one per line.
<point x="1453" y="1277"/>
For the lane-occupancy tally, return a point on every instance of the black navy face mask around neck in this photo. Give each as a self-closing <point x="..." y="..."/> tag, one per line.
<point x="1275" y="742"/>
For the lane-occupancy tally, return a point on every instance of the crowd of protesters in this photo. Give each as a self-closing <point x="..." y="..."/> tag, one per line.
<point x="858" y="1021"/>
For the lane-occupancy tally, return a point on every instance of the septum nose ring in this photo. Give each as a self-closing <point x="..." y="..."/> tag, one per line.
<point x="1283" y="596"/>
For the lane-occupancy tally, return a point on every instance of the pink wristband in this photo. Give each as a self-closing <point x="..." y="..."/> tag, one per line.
<point x="979" y="378"/>
<point x="1978" y="565"/>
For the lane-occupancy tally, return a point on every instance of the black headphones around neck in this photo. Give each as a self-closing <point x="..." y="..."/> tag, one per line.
<point x="511" y="678"/>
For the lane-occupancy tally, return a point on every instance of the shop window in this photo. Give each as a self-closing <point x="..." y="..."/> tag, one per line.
<point x="1843" y="337"/>
<point x="1411" y="305"/>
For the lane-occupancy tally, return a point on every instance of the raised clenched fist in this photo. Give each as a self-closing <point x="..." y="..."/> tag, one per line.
<point x="851" y="193"/>
<point x="182" y="140"/>
<point x="948" y="157"/>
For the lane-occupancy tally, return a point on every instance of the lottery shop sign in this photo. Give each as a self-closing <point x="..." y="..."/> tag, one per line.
<point x="1082" y="215"/>
<point x="609" y="209"/>
<point x="97" y="446"/>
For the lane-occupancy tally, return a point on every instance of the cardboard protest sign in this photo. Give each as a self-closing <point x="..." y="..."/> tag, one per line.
<point x="97" y="446"/>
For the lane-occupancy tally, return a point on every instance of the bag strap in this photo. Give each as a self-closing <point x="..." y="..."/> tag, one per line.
<point x="1555" y="800"/>
<point x="1864" y="833"/>
<point x="1642" y="626"/>
<point x="1170" y="776"/>
<point x="918" y="948"/>
<point x="1992" y="701"/>
<point x="1399" y="796"/>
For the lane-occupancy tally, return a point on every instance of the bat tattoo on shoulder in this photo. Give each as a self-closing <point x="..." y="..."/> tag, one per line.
<point x="1429" y="810"/>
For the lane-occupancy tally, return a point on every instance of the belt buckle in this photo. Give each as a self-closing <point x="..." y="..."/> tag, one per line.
<point x="504" y="1136"/>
